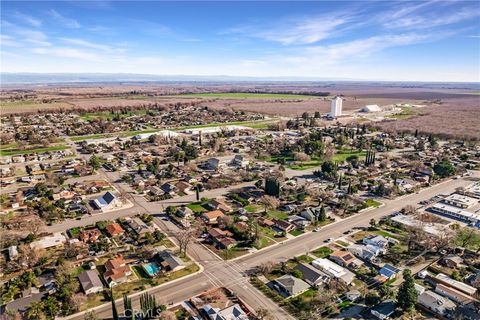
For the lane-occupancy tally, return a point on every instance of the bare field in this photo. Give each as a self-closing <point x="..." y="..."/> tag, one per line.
<point x="454" y="118"/>
<point x="451" y="109"/>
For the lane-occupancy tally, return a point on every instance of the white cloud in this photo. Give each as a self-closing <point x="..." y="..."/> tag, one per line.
<point x="362" y="47"/>
<point x="67" y="22"/>
<point x="305" y="31"/>
<point x="296" y="31"/>
<point x="430" y="18"/>
<point x="34" y="22"/>
<point x="8" y="41"/>
<point x="88" y="44"/>
<point x="32" y="36"/>
<point x="67" y="52"/>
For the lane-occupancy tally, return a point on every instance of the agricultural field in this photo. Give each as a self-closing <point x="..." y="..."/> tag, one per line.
<point x="240" y="95"/>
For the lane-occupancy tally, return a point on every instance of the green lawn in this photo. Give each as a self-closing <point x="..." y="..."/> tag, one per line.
<point x="298" y="165"/>
<point x="197" y="207"/>
<point x="372" y="203"/>
<point x="13" y="152"/>
<point x="342" y="155"/>
<point x="322" y="252"/>
<point x="280" y="215"/>
<point x="259" y="124"/>
<point x="252" y="208"/>
<point x="342" y="243"/>
<point x="240" y="95"/>
<point x="296" y="232"/>
<point x="305" y="165"/>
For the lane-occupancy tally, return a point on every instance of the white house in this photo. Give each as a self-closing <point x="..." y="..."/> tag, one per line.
<point x="57" y="239"/>
<point x="107" y="202"/>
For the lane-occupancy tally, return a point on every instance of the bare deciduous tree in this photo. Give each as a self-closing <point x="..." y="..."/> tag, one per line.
<point x="269" y="202"/>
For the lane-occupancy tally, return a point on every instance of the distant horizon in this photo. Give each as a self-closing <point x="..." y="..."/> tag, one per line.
<point x="107" y="77"/>
<point x="417" y="41"/>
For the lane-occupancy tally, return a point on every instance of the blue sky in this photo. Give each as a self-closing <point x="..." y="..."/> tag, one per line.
<point x="372" y="40"/>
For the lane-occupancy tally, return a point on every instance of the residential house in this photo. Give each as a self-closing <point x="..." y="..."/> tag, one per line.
<point x="453" y="294"/>
<point x="107" y="202"/>
<point x="377" y="241"/>
<point x="233" y="312"/>
<point x="345" y="259"/>
<point x="384" y="310"/>
<point x="116" y="271"/>
<point x="114" y="229"/>
<point x="334" y="270"/>
<point x="219" y="204"/>
<point x="169" y="188"/>
<point x="211" y="217"/>
<point x="474" y="280"/>
<point x="155" y="191"/>
<point x="468" y="312"/>
<point x="239" y="161"/>
<point x="363" y="252"/>
<point x="264" y="222"/>
<point x="311" y="213"/>
<point x="389" y="271"/>
<point x="312" y="275"/>
<point x="89" y="236"/>
<point x="451" y="261"/>
<point x="353" y="295"/>
<point x="90" y="282"/>
<point x="55" y="240"/>
<point x="140" y="227"/>
<point x="28" y="297"/>
<point x="289" y="286"/>
<point x="184" y="187"/>
<point x="283" y="225"/>
<point x="299" y="222"/>
<point x="182" y="215"/>
<point x="214" y="164"/>
<point x="168" y="261"/>
<point x="435" y="303"/>
<point x="222" y="239"/>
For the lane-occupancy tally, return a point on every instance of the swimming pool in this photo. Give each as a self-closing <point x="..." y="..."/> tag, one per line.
<point x="151" y="269"/>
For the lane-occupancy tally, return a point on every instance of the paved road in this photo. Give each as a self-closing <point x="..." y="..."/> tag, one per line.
<point x="231" y="274"/>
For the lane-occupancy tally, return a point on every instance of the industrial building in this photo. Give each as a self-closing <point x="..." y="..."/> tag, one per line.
<point x="336" y="107"/>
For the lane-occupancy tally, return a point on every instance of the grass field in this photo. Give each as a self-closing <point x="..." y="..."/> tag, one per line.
<point x="14" y="152"/>
<point x="342" y="155"/>
<point x="240" y="95"/>
<point x="260" y="124"/>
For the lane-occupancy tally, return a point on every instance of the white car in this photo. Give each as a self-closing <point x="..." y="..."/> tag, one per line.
<point x="316" y="229"/>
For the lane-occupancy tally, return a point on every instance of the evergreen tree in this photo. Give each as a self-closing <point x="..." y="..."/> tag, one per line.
<point x="114" y="307"/>
<point x="272" y="186"/>
<point x="322" y="216"/>
<point x="197" y="192"/>
<point x="127" y="307"/>
<point x="407" y="295"/>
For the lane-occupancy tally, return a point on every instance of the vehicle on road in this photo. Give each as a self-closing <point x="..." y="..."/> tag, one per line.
<point x="316" y="229"/>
